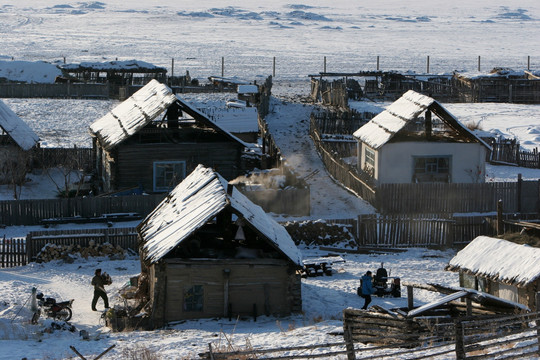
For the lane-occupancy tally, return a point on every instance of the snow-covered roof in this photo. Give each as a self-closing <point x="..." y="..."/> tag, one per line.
<point x="235" y="120"/>
<point x="127" y="65"/>
<point x="383" y="127"/>
<point x="39" y="72"/>
<point x="247" y="89"/>
<point x="17" y="129"/>
<point x="197" y="199"/>
<point x="500" y="260"/>
<point x="132" y="114"/>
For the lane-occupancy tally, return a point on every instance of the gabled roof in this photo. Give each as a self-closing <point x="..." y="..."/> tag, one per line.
<point x="16" y="128"/>
<point x="139" y="110"/>
<point x="132" y="114"/>
<point x="197" y="199"/>
<point x="500" y="260"/>
<point x="383" y="127"/>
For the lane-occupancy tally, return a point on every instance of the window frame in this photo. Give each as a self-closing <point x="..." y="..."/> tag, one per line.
<point x="157" y="164"/>
<point x="193" y="298"/>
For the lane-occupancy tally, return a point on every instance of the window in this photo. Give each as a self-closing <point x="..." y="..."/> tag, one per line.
<point x="431" y="168"/>
<point x="193" y="298"/>
<point x="369" y="155"/>
<point x="167" y="174"/>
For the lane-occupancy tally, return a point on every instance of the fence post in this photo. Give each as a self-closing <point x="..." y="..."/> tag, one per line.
<point x="460" y="344"/>
<point x="349" y="344"/>
<point x="519" y="188"/>
<point x="537" y="321"/>
<point x="500" y="229"/>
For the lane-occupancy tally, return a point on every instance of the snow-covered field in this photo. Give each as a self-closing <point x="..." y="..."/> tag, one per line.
<point x="248" y="35"/>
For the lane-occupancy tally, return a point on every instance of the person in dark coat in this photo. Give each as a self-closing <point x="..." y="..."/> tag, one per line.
<point x="366" y="283"/>
<point x="99" y="290"/>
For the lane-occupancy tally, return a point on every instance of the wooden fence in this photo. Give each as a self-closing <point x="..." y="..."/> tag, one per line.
<point x="32" y="212"/>
<point x="505" y="151"/>
<point x="340" y="170"/>
<point x="63" y="90"/>
<point x="12" y="252"/>
<point x="72" y="158"/>
<point x="503" y="337"/>
<point x="126" y="238"/>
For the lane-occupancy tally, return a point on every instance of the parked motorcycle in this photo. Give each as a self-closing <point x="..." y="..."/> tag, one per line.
<point x="49" y="307"/>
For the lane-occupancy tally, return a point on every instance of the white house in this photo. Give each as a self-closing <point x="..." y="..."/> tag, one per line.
<point x="406" y="143"/>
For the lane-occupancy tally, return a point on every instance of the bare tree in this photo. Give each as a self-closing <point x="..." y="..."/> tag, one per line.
<point x="71" y="171"/>
<point x="14" y="165"/>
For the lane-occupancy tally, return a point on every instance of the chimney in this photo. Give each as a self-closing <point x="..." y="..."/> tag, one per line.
<point x="428" y="125"/>
<point x="173" y="114"/>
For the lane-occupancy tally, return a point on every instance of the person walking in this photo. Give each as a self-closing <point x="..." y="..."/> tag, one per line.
<point x="99" y="283"/>
<point x="366" y="284"/>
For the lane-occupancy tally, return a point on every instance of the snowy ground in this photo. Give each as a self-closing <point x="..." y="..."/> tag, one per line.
<point x="248" y="35"/>
<point x="324" y="298"/>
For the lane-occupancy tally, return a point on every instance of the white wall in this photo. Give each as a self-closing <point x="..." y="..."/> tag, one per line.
<point x="394" y="161"/>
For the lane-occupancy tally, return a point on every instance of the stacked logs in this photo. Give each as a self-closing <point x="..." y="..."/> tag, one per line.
<point x="320" y="233"/>
<point x="70" y="252"/>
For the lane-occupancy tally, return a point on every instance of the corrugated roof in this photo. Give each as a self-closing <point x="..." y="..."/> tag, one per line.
<point x="200" y="197"/>
<point x="379" y="130"/>
<point x="17" y="129"/>
<point x="132" y="114"/>
<point x="499" y="260"/>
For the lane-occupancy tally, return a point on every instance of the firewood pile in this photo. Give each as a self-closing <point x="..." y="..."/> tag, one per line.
<point x="319" y="233"/>
<point x="70" y="252"/>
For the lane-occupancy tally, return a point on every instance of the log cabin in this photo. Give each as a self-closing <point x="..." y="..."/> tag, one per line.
<point x="207" y="251"/>
<point x="154" y="139"/>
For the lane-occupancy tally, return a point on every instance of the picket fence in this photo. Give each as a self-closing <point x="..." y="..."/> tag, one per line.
<point x="13" y="252"/>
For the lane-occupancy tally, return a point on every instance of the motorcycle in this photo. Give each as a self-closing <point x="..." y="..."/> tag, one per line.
<point x="57" y="310"/>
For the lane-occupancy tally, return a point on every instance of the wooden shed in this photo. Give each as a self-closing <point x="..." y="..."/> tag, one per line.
<point x="501" y="268"/>
<point x="499" y="85"/>
<point x="128" y="72"/>
<point x="16" y="142"/>
<point x="153" y="139"/>
<point x="417" y="140"/>
<point x="207" y="251"/>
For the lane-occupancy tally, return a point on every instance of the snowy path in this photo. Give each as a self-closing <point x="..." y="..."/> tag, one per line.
<point x="289" y="124"/>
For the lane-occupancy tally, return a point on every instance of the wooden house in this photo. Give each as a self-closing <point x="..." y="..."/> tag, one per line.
<point x="207" y="251"/>
<point x="16" y="142"/>
<point x="153" y="139"/>
<point x="499" y="85"/>
<point x="501" y="268"/>
<point x="417" y="140"/>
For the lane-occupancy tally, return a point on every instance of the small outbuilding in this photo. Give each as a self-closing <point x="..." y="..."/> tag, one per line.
<point x="154" y="139"/>
<point x="207" y="251"/>
<point x="501" y="268"/>
<point x="16" y="142"/>
<point x="416" y="140"/>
